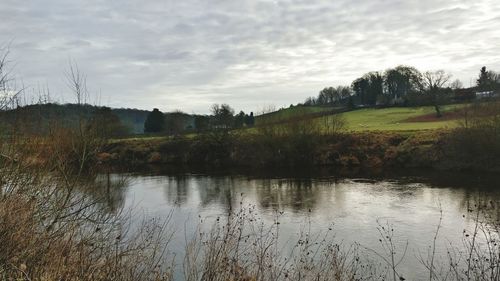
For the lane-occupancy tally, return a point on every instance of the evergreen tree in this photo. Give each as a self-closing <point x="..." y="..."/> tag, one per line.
<point x="201" y="123"/>
<point x="155" y="122"/>
<point x="249" y="120"/>
<point x="360" y="87"/>
<point x="484" y="82"/>
<point x="239" y="119"/>
<point x="106" y="124"/>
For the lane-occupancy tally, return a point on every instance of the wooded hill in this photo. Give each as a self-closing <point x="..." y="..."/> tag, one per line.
<point x="38" y="117"/>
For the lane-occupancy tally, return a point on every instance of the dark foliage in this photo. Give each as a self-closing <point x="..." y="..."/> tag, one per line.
<point x="106" y="124"/>
<point x="155" y="122"/>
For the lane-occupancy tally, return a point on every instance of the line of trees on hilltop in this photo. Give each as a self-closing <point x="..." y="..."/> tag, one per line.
<point x="39" y="119"/>
<point x="222" y="117"/>
<point x="403" y="86"/>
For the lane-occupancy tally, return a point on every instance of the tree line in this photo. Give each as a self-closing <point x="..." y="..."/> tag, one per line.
<point x="398" y="86"/>
<point x="403" y="86"/>
<point x="222" y="117"/>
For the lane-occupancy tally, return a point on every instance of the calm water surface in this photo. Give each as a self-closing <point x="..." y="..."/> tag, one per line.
<point x="353" y="205"/>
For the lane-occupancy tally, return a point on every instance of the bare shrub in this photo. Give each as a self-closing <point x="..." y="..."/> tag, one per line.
<point x="390" y="255"/>
<point x="335" y="124"/>
<point x="8" y="92"/>
<point x="478" y="258"/>
<point x="476" y="141"/>
<point x="50" y="229"/>
<point x="242" y="247"/>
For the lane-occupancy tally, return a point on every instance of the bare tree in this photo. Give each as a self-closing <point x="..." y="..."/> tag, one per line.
<point x="77" y="83"/>
<point x="8" y="93"/>
<point x="223" y="116"/>
<point x="267" y="109"/>
<point x="456" y="84"/>
<point x="83" y="142"/>
<point x="433" y="83"/>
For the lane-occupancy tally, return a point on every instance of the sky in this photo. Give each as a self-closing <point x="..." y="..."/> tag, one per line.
<point x="252" y="54"/>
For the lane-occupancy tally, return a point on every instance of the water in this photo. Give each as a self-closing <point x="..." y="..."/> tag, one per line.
<point x="354" y="206"/>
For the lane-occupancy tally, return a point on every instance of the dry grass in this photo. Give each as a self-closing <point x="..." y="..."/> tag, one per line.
<point x="242" y="247"/>
<point x="51" y="230"/>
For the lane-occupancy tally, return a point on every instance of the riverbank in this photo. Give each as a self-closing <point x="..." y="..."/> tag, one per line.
<point x="437" y="150"/>
<point x="64" y="220"/>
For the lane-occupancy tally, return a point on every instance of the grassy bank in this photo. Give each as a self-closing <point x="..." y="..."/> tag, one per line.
<point x="394" y="137"/>
<point x="371" y="150"/>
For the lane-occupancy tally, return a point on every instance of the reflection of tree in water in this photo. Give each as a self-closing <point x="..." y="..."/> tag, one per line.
<point x="212" y="190"/>
<point x="219" y="190"/>
<point x="296" y="195"/>
<point x="486" y="199"/>
<point x="466" y="188"/>
<point x="176" y="189"/>
<point x="108" y="190"/>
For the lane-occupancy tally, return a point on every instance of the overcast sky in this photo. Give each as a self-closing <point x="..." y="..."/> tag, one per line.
<point x="188" y="54"/>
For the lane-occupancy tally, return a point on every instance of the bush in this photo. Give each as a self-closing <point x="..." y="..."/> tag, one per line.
<point x="51" y="229"/>
<point x="214" y="148"/>
<point x="476" y="142"/>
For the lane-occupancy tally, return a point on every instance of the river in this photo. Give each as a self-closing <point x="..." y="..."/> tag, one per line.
<point x="354" y="207"/>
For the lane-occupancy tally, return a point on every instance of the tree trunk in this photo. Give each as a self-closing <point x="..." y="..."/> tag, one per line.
<point x="438" y="111"/>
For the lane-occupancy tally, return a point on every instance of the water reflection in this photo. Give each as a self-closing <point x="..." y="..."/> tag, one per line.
<point x="107" y="190"/>
<point x="218" y="190"/>
<point x="295" y="195"/>
<point x="176" y="189"/>
<point x="411" y="203"/>
<point x="292" y="195"/>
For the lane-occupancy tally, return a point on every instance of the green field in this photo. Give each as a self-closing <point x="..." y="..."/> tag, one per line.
<point x="369" y="119"/>
<point x="291" y="112"/>
<point x="394" y="119"/>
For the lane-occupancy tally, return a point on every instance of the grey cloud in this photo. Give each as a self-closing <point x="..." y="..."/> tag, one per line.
<point x="189" y="54"/>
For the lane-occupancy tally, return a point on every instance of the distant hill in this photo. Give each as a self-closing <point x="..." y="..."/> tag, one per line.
<point x="132" y="118"/>
<point x="38" y="117"/>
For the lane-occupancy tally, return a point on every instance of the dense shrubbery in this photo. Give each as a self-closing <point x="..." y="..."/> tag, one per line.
<point x="50" y="229"/>
<point x="476" y="141"/>
<point x="305" y="147"/>
<point x="214" y="147"/>
<point x="276" y="146"/>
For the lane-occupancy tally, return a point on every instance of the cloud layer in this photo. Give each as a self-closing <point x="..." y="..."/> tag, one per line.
<point x="248" y="53"/>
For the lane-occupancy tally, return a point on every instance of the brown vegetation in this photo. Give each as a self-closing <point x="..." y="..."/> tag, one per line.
<point x="476" y="142"/>
<point x="369" y="149"/>
<point x="51" y="229"/>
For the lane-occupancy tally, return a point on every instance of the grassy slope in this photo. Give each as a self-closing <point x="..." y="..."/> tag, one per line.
<point x="393" y="119"/>
<point x="290" y="112"/>
<point x="370" y="119"/>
